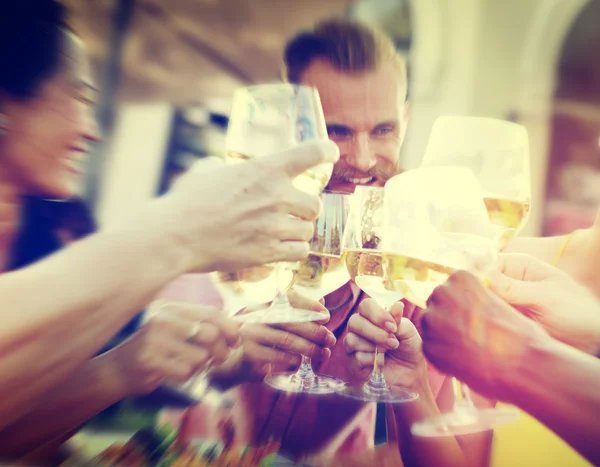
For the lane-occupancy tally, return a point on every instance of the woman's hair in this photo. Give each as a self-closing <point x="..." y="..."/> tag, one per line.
<point x="31" y="35"/>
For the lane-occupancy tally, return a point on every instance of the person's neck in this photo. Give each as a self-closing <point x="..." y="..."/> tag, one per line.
<point x="338" y="298"/>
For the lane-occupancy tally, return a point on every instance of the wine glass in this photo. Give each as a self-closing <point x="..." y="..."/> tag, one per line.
<point x="435" y="223"/>
<point x="266" y="119"/>
<point x="498" y="153"/>
<point x="247" y="287"/>
<point x="320" y="274"/>
<point x="361" y="246"/>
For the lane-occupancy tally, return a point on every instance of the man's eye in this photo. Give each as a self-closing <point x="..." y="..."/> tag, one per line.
<point x="382" y="131"/>
<point x="339" y="133"/>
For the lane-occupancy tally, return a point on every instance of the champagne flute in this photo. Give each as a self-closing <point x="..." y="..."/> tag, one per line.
<point x="320" y="274"/>
<point x="498" y="153"/>
<point x="361" y="246"/>
<point x="266" y="119"/>
<point x="436" y="223"/>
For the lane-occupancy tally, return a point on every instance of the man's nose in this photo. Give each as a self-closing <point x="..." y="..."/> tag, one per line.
<point x="360" y="155"/>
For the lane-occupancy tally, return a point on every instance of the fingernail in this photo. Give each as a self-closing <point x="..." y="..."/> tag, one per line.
<point x="326" y="353"/>
<point x="330" y="340"/>
<point x="391" y="326"/>
<point x="393" y="343"/>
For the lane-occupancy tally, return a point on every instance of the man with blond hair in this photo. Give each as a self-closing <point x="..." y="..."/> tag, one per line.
<point x="362" y="83"/>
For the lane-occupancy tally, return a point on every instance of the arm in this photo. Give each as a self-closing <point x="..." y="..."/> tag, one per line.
<point x="85" y="393"/>
<point x="560" y="386"/>
<point x="406" y="367"/>
<point x="467" y="450"/>
<point x="471" y="333"/>
<point x="60" y="311"/>
<point x="161" y="349"/>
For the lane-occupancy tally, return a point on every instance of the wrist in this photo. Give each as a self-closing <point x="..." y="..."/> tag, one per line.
<point x="106" y="370"/>
<point x="526" y="375"/>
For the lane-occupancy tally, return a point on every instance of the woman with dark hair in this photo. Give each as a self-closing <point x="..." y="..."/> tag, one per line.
<point x="58" y="312"/>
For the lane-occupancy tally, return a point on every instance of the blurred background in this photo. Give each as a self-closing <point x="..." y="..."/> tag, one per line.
<point x="167" y="68"/>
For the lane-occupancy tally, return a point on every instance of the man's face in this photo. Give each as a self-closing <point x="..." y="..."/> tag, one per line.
<point x="363" y="112"/>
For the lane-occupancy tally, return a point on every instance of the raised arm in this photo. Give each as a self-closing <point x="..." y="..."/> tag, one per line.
<point x="471" y="333"/>
<point x="60" y="311"/>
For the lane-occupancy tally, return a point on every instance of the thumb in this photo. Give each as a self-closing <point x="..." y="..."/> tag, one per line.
<point x="306" y="155"/>
<point x="397" y="311"/>
<point x="525" y="268"/>
<point x="514" y="291"/>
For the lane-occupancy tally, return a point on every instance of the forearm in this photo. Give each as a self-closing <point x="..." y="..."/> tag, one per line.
<point x="471" y="450"/>
<point x="87" y="392"/>
<point x="60" y="311"/>
<point x="560" y="386"/>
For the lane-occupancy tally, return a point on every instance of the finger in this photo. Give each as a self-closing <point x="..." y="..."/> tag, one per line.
<point x="397" y="311"/>
<point x="354" y="343"/>
<point x="297" y="300"/>
<point x="191" y="314"/>
<point x="365" y="359"/>
<point x="289" y="251"/>
<point x="175" y="370"/>
<point x="302" y="205"/>
<point x="229" y="330"/>
<point x="162" y="324"/>
<point x="525" y="267"/>
<point x="210" y="338"/>
<point x="260" y="354"/>
<point x="185" y="352"/>
<point x="362" y="327"/>
<point x="295" y="229"/>
<point x="284" y="341"/>
<point x="306" y="155"/>
<point x="513" y="291"/>
<point x="370" y="310"/>
<point x="312" y="332"/>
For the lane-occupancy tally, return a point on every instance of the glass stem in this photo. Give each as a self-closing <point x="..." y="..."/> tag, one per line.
<point x="305" y="370"/>
<point x="377" y="380"/>
<point x="281" y="299"/>
<point x="462" y="396"/>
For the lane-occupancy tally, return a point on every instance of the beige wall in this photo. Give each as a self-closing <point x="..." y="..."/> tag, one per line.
<point x="134" y="160"/>
<point x="488" y="58"/>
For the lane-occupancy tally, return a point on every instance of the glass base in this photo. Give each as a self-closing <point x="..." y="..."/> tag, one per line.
<point x="290" y="315"/>
<point x="464" y="421"/>
<point x="370" y="393"/>
<point x="291" y="382"/>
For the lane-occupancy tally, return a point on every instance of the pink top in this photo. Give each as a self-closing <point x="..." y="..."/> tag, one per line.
<point x="304" y="424"/>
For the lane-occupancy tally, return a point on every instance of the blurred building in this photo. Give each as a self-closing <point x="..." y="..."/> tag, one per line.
<point x="530" y="61"/>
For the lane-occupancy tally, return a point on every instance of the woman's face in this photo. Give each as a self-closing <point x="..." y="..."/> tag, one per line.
<point x="48" y="134"/>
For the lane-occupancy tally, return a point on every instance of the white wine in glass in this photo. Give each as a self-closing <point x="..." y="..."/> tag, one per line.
<point x="319" y="275"/>
<point x="364" y="261"/>
<point x="435" y="223"/>
<point x="497" y="152"/>
<point x="270" y="118"/>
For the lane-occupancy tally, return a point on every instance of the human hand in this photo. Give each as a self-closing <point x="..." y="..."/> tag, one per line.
<point x="247" y="214"/>
<point x="472" y="334"/>
<point x="372" y="326"/>
<point x="177" y="342"/>
<point x="283" y="345"/>
<point x="549" y="296"/>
